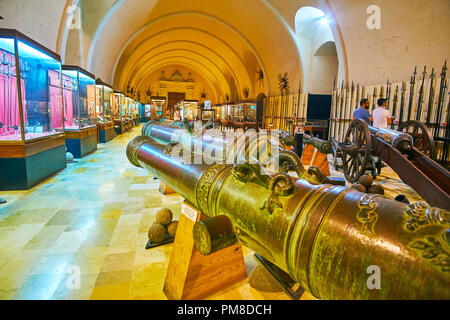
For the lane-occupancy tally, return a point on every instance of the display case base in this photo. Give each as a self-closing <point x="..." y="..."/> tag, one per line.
<point x="119" y="127"/>
<point x="81" y="142"/>
<point x="24" y="166"/>
<point x="107" y="135"/>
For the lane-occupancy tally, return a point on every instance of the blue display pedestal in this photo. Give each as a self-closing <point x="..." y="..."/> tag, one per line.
<point x="23" y="166"/>
<point x="81" y="142"/>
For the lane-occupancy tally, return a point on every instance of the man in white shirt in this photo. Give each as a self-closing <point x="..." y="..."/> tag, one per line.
<point x="381" y="116"/>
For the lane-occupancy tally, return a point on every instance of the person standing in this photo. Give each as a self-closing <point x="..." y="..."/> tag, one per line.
<point x="177" y="114"/>
<point x="381" y="116"/>
<point x="362" y="112"/>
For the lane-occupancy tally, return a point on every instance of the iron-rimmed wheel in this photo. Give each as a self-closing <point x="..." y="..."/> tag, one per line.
<point x="356" y="150"/>
<point x="422" y="137"/>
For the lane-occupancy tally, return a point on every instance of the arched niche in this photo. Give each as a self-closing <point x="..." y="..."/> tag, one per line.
<point x="324" y="69"/>
<point x="317" y="49"/>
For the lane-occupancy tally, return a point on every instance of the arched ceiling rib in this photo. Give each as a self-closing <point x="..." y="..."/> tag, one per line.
<point x="188" y="46"/>
<point x="206" y="69"/>
<point x="188" y="64"/>
<point x="222" y="55"/>
<point x="172" y="27"/>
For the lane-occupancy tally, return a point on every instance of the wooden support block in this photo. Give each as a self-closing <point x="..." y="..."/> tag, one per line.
<point x="190" y="274"/>
<point x="165" y="189"/>
<point x="307" y="155"/>
<point x="321" y="161"/>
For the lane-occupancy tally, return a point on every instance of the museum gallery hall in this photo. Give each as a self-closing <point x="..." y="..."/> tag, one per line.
<point x="224" y="150"/>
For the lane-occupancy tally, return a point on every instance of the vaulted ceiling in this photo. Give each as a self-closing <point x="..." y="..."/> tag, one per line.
<point x="223" y="41"/>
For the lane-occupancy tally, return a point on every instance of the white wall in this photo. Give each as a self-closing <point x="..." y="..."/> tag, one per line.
<point x="37" y="19"/>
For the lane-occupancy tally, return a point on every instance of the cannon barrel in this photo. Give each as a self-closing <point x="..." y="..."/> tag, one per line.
<point x="323" y="146"/>
<point x="325" y="237"/>
<point x="215" y="145"/>
<point x="401" y="141"/>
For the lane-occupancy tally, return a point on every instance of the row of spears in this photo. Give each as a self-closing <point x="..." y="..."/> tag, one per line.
<point x="419" y="99"/>
<point x="286" y="111"/>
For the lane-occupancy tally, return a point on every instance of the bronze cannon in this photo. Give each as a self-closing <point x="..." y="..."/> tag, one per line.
<point x="325" y="237"/>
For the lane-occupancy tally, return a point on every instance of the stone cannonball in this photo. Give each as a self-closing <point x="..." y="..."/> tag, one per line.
<point x="164" y="216"/>
<point x="157" y="232"/>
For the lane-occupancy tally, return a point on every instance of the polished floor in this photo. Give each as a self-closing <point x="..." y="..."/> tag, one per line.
<point x="92" y="219"/>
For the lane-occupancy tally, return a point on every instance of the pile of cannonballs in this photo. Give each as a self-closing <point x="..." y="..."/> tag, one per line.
<point x="162" y="226"/>
<point x="365" y="184"/>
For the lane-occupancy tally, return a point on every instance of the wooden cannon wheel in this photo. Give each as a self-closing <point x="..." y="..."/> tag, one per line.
<point x="356" y="150"/>
<point x="422" y="137"/>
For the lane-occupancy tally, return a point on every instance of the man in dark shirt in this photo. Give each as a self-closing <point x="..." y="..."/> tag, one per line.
<point x="362" y="113"/>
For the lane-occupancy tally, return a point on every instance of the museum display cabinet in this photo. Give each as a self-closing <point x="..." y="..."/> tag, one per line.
<point x="208" y="115"/>
<point x="32" y="140"/>
<point x="80" y="124"/>
<point x="147" y="112"/>
<point x="119" y="114"/>
<point x="105" y="124"/>
<point x="135" y="112"/>
<point x="127" y="117"/>
<point x="158" y="107"/>
<point x="189" y="110"/>
<point x="218" y="114"/>
<point x="245" y="115"/>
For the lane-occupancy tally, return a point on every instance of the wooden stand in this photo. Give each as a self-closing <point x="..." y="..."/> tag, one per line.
<point x="190" y="274"/>
<point x="312" y="157"/>
<point x="165" y="189"/>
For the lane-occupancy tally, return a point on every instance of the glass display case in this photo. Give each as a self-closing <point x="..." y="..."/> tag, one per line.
<point x="104" y="112"/>
<point x="31" y="112"/>
<point x="245" y="115"/>
<point x="79" y="98"/>
<point x="189" y="110"/>
<point x="218" y="109"/>
<point x="79" y="110"/>
<point x="238" y="112"/>
<point x="147" y="112"/>
<point x="208" y="115"/>
<point x="103" y="105"/>
<point x="250" y="112"/>
<point x="158" y="108"/>
<point x="119" y="113"/>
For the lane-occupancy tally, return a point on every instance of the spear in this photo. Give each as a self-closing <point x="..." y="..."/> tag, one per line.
<point x="343" y="97"/>
<point x="297" y="112"/>
<point x="388" y="94"/>
<point x="394" y="106"/>
<point x="358" y="91"/>
<point x="341" y="116"/>
<point x="441" y="98"/>
<point x="421" y="93"/>
<point x="402" y="104"/>
<point x="411" y="93"/>
<point x="374" y="96"/>
<point x="336" y="110"/>
<point x="431" y="96"/>
<point x="350" y="107"/>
